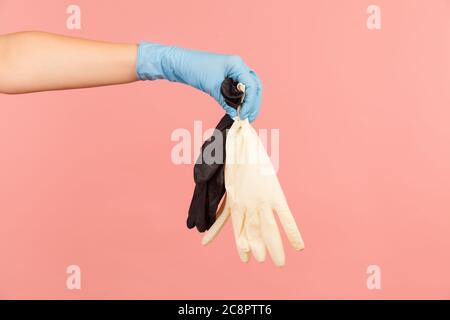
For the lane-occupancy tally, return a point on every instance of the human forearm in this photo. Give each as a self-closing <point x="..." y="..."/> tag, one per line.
<point x="38" y="61"/>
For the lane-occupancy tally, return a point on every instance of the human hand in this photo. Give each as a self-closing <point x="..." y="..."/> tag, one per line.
<point x="202" y="70"/>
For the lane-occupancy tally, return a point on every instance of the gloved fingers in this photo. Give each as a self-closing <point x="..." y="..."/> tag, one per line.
<point x="240" y="72"/>
<point x="253" y="232"/>
<point x="232" y="112"/>
<point x="250" y="106"/>
<point x="217" y="95"/>
<point x="271" y="236"/>
<point x="253" y="114"/>
<point x="290" y="226"/>
<point x="223" y="216"/>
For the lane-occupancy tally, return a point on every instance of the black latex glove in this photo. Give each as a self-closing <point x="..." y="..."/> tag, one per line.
<point x="209" y="184"/>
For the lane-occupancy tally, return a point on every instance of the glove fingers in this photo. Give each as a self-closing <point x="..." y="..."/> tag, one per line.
<point x="232" y="112"/>
<point x="253" y="232"/>
<point x="250" y="104"/>
<point x="216" y="94"/>
<point x="271" y="236"/>
<point x="201" y="222"/>
<point x="223" y="215"/>
<point x="290" y="226"/>
<point x="223" y="206"/>
<point x="212" y="211"/>
<point x="255" y="111"/>
<point x="196" y="215"/>
<point x="216" y="190"/>
<point x="243" y="255"/>
<point x="210" y="176"/>
<point x="238" y="221"/>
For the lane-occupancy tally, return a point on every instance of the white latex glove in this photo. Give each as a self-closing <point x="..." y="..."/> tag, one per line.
<point x="253" y="194"/>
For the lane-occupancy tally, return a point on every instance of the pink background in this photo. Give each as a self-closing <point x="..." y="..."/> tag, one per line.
<point x="86" y="176"/>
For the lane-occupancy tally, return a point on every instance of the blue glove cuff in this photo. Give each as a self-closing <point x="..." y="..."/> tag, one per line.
<point x="149" y="61"/>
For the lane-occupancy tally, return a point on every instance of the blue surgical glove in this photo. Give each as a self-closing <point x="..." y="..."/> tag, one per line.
<point x="202" y="70"/>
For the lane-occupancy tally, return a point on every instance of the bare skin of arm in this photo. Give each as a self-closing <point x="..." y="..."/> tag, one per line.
<point x="38" y="61"/>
